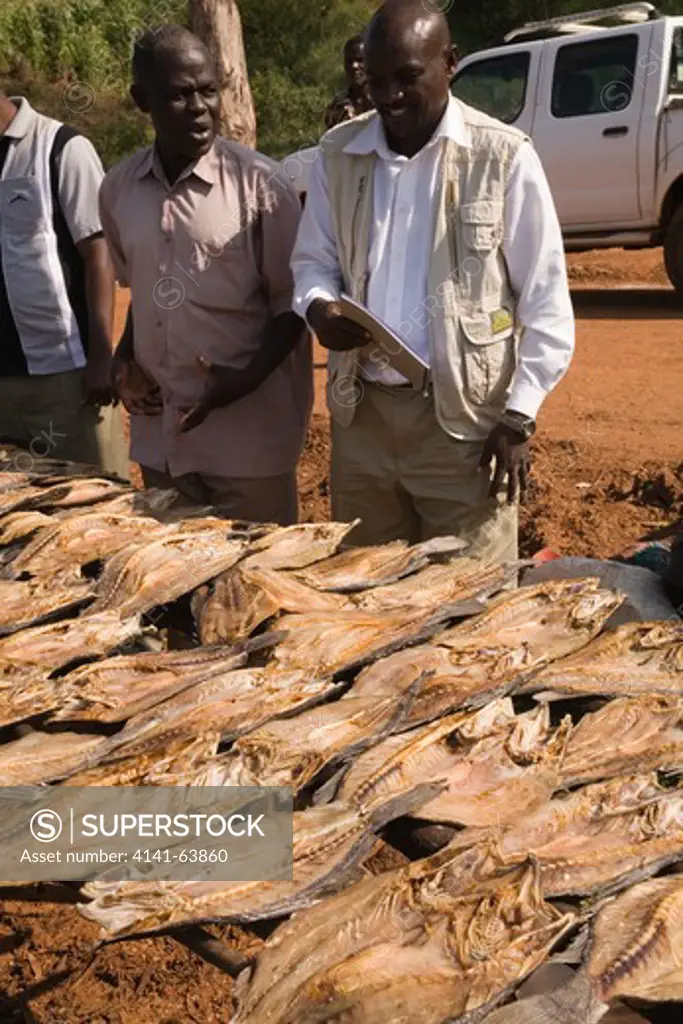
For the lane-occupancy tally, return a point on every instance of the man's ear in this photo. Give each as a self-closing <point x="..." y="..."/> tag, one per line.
<point x="452" y="58"/>
<point x="139" y="97"/>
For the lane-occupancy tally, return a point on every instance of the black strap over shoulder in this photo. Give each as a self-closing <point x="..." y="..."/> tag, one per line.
<point x="70" y="258"/>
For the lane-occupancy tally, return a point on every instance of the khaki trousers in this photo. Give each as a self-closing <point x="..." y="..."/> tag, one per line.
<point x="46" y="415"/>
<point x="267" y="499"/>
<point x="397" y="470"/>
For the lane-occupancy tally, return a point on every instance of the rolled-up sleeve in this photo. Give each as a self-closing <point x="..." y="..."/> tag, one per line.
<point x="315" y="263"/>
<point x="534" y="253"/>
<point x="80" y="175"/>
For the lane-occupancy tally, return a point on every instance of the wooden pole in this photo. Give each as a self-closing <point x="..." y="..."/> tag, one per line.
<point x="219" y="26"/>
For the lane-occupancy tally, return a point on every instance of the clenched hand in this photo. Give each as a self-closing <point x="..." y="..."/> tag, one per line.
<point x="332" y="329"/>
<point x="139" y="395"/>
<point x="512" y="458"/>
<point x="225" y="386"/>
<point x="98" y="388"/>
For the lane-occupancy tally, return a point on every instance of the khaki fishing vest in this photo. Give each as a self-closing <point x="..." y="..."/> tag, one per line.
<point x="470" y="308"/>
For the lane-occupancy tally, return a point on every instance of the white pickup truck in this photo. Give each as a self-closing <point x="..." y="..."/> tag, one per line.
<point x="601" y="95"/>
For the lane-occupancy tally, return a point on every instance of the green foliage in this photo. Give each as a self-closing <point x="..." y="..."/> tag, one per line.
<point x="294" y="56"/>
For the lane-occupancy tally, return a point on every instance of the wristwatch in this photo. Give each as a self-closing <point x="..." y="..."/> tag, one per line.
<point x="523" y="425"/>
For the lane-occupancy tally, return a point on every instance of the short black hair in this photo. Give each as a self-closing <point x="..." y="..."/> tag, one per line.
<point x="353" y="43"/>
<point x="156" y="42"/>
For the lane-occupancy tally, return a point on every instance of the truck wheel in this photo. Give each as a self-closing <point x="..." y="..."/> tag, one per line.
<point x="673" y="250"/>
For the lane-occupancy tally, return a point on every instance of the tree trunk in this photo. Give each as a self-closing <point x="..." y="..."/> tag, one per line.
<point x="219" y="26"/>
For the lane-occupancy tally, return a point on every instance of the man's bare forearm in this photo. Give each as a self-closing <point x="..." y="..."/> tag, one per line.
<point x="100" y="289"/>
<point x="286" y="332"/>
<point x="125" y="348"/>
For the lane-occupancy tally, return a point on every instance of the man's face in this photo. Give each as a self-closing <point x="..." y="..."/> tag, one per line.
<point x="354" y="64"/>
<point x="183" y="103"/>
<point x="409" y="79"/>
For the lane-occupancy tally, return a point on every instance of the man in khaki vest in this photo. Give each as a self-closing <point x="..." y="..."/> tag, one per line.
<point x="440" y="221"/>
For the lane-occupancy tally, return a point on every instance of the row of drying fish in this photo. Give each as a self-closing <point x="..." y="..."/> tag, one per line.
<point x="533" y="754"/>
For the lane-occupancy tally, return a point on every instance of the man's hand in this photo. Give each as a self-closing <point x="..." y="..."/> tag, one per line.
<point x="512" y="459"/>
<point x="140" y="396"/>
<point x="98" y="388"/>
<point x="225" y="386"/>
<point x="332" y="329"/>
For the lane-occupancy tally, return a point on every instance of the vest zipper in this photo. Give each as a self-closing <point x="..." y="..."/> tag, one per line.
<point x="360" y="284"/>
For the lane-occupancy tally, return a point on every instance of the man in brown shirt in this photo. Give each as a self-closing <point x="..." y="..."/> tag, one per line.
<point x="213" y="365"/>
<point x="355" y="99"/>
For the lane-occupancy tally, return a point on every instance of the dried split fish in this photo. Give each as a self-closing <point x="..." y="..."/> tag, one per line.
<point x="243" y="598"/>
<point x="16" y="526"/>
<point x="359" y="569"/>
<point x="634" y="660"/>
<point x="458" y="580"/>
<point x="558" y="617"/>
<point x="497" y="766"/>
<point x="629" y="734"/>
<point x="279" y="754"/>
<point x="79" y="491"/>
<point x="294" y="547"/>
<point x="329" y="843"/>
<point x="69" y="543"/>
<point x="25" y="603"/>
<point x="637" y="944"/>
<point x="231" y="703"/>
<point x="397" y="948"/>
<point x="28" y="658"/>
<point x="171" y="752"/>
<point x="118" y="688"/>
<point x="41" y="757"/>
<point x="597" y="840"/>
<point x="56" y="645"/>
<point x="636" y="952"/>
<point x="154" y="572"/>
<point x="326" y="643"/>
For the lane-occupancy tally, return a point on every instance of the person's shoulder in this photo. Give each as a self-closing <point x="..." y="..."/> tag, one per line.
<point x="230" y="151"/>
<point x="255" y="168"/>
<point x="341" y="134"/>
<point x="487" y="126"/>
<point x="122" y="173"/>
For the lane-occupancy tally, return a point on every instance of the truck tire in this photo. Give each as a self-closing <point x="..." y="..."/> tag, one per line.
<point x="673" y="251"/>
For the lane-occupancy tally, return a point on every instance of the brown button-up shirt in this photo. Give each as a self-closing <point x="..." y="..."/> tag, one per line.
<point x="207" y="262"/>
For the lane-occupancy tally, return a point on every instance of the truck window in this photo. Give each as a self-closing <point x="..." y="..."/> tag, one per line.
<point x="497" y="85"/>
<point x="676" y="70"/>
<point x="594" y="78"/>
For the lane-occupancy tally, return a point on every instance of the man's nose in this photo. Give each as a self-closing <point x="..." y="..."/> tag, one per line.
<point x="196" y="102"/>
<point x="389" y="93"/>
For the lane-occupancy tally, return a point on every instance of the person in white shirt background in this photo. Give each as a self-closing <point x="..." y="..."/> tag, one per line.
<point x="497" y="331"/>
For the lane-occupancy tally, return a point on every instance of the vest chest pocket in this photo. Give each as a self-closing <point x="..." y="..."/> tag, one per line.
<point x="482" y="224"/>
<point x="489" y="355"/>
<point x="21" y="213"/>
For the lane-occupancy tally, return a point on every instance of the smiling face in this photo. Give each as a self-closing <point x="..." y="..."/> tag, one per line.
<point x="182" y="100"/>
<point x="409" y="66"/>
<point x="354" y="63"/>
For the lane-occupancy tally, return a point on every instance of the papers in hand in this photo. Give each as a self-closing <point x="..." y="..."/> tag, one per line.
<point x="386" y="346"/>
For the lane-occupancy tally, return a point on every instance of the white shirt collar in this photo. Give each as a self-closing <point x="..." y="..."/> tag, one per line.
<point x="371" y="139"/>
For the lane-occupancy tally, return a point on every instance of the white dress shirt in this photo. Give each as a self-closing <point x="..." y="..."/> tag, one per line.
<point x="404" y="194"/>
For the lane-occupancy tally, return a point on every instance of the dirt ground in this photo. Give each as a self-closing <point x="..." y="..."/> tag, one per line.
<point x="608" y="472"/>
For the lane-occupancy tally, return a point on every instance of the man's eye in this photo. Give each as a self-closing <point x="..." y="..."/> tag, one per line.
<point x="210" y="91"/>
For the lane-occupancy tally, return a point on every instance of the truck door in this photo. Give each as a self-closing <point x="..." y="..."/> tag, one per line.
<point x="501" y="84"/>
<point x="587" y="123"/>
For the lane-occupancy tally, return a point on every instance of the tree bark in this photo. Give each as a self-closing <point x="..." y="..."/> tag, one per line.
<point x="219" y="26"/>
